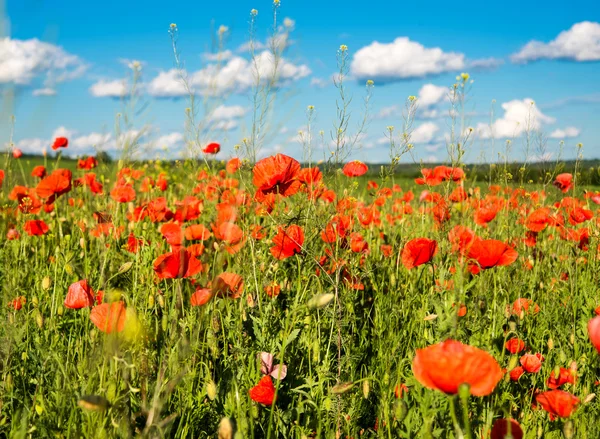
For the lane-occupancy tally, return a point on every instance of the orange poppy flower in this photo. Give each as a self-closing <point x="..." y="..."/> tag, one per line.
<point x="60" y="142"/>
<point x="172" y="233"/>
<point x="123" y="193"/>
<point x="87" y="163"/>
<point x="109" y="317"/>
<point x="177" y="264"/>
<point x="532" y="363"/>
<point x="538" y="219"/>
<point x="233" y="165"/>
<point x="418" y="251"/>
<point x="488" y="253"/>
<point x="565" y="376"/>
<point x="212" y="148"/>
<point x="17" y="303"/>
<point x="355" y="168"/>
<point x="514" y="345"/>
<point x="228" y="285"/>
<point x="276" y="175"/>
<point x="288" y="242"/>
<point x="201" y="296"/>
<point x="197" y="232"/>
<point x="557" y="403"/>
<point x="264" y="391"/>
<point x="516" y="373"/>
<point x="36" y="227"/>
<point x="80" y="295"/>
<point x="447" y="365"/>
<point x="506" y="429"/>
<point x="594" y="332"/>
<point x="461" y="238"/>
<point x="523" y="305"/>
<point x="1" y="177"/>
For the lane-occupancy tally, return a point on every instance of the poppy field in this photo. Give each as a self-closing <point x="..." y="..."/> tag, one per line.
<point x="276" y="300"/>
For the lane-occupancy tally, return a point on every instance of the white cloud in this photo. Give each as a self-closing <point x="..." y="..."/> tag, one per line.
<point x="248" y="46"/>
<point x="219" y="56"/>
<point x="109" y="89"/>
<point x="32" y="146"/>
<point x="580" y="43"/>
<point x="46" y="91"/>
<point x="485" y="63"/>
<point x="90" y="141"/>
<point x="424" y="133"/>
<point x="170" y="140"/>
<point x="386" y="112"/>
<point x="564" y="134"/>
<point x="319" y="82"/>
<point x="225" y="125"/>
<point x="402" y="59"/>
<point x="23" y="61"/>
<point x="519" y="116"/>
<point x="235" y="76"/>
<point x="431" y="94"/>
<point x="223" y="112"/>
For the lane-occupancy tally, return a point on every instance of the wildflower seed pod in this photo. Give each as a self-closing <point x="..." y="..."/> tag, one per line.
<point x="572" y="338"/>
<point x="225" y="429"/>
<point x="514" y="362"/>
<point x="211" y="390"/>
<point x="35" y="301"/>
<point x="60" y="310"/>
<point x="365" y="389"/>
<point x="165" y="323"/>
<point x="46" y="283"/>
<point x="550" y="344"/>
<point x="161" y="300"/>
<point x="589" y="398"/>
<point x="216" y="325"/>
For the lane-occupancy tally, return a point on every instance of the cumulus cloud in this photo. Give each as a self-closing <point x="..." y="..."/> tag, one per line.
<point x="24" y="61"/>
<point x="490" y="63"/>
<point x="564" y="134"/>
<point x="580" y="43"/>
<point x="91" y="141"/>
<point x="223" y="112"/>
<point x="519" y="116"/>
<point x="429" y="97"/>
<point x="219" y="56"/>
<point x="170" y="140"/>
<point x="237" y="75"/>
<point x="424" y="133"/>
<point x="319" y="82"/>
<point x="109" y="89"/>
<point x="431" y="94"/>
<point x="402" y="59"/>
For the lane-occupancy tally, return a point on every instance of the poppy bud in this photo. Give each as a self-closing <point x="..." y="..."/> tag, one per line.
<point x="68" y="269"/>
<point x="60" y="310"/>
<point x="550" y="344"/>
<point x="161" y="301"/>
<point x="365" y="389"/>
<point x="569" y="429"/>
<point x="39" y="320"/>
<point x="82" y="243"/>
<point x="35" y="301"/>
<point x="589" y="398"/>
<point x="464" y="391"/>
<point x="572" y="338"/>
<point x="46" y="283"/>
<point x="340" y="388"/>
<point x="216" y="324"/>
<point x="225" y="429"/>
<point x="514" y="362"/>
<point x="165" y="323"/>
<point x="150" y="300"/>
<point x="321" y="300"/>
<point x="400" y="410"/>
<point x="8" y="383"/>
<point x="211" y="390"/>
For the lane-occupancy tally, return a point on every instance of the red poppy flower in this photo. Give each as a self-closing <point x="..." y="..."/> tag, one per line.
<point x="355" y="168"/>
<point x="488" y="253"/>
<point x="12" y="234"/>
<point x="17" y="303"/>
<point x="87" y="163"/>
<point x="532" y="363"/>
<point x="523" y="305"/>
<point x="172" y="233"/>
<point x="273" y="289"/>
<point x="276" y="175"/>
<point x="109" y="317"/>
<point x="564" y="182"/>
<point x="506" y="429"/>
<point x="177" y="264"/>
<point x="1" y="177"/>
<point x="36" y="227"/>
<point x="80" y="295"/>
<point x="212" y="148"/>
<point x="39" y="172"/>
<point x="288" y="242"/>
<point x="60" y="142"/>
<point x="264" y="391"/>
<point x="201" y="296"/>
<point x="514" y="345"/>
<point x="462" y="238"/>
<point x="54" y="185"/>
<point x="565" y="376"/>
<point x="594" y="332"/>
<point x="358" y="244"/>
<point x="516" y="373"/>
<point x="557" y="403"/>
<point x="418" y="251"/>
<point x="228" y="285"/>
<point x="17" y="153"/>
<point x="447" y="365"/>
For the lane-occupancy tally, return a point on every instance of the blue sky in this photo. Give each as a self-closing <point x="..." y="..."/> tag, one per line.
<point x="64" y="64"/>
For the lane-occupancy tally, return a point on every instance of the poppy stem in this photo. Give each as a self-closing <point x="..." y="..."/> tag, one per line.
<point x="459" y="433"/>
<point x="464" y="400"/>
